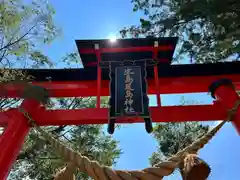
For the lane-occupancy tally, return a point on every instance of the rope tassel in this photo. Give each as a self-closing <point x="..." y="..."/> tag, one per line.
<point x="195" y="168"/>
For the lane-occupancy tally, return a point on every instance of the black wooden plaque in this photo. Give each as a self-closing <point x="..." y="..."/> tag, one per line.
<point x="128" y="91"/>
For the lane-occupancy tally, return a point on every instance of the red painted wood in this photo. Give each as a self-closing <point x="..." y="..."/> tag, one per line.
<point x="100" y="116"/>
<point x="128" y="49"/>
<point x="17" y="126"/>
<point x="228" y="97"/>
<point x="17" y="129"/>
<point x="99" y="78"/>
<point x="161" y="60"/>
<point x="10" y="142"/>
<point x="5" y="116"/>
<point x="88" y="88"/>
<point x="156" y="78"/>
<point x="13" y="138"/>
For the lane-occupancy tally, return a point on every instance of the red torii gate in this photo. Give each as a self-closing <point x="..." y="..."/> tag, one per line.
<point x="164" y="78"/>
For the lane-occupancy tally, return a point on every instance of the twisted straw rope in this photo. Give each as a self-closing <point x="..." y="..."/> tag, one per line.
<point x="67" y="173"/>
<point x="99" y="172"/>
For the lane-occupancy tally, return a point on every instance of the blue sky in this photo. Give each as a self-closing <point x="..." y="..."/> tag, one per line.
<point x="101" y="19"/>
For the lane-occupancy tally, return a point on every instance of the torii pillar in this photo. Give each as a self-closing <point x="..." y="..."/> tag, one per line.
<point x="224" y="91"/>
<point x="13" y="136"/>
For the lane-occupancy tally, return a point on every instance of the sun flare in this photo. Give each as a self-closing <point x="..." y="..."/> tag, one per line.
<point x="112" y="38"/>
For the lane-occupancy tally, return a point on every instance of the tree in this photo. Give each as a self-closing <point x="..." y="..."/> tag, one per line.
<point x="209" y="30"/>
<point x="71" y="59"/>
<point x="173" y="137"/>
<point x="39" y="161"/>
<point x="24" y="25"/>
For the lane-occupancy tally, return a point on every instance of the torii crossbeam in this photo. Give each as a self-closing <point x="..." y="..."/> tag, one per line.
<point x="93" y="80"/>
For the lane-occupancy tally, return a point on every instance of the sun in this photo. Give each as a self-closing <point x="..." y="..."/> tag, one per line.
<point x="112" y="38"/>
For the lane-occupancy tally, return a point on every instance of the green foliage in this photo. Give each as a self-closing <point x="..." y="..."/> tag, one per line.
<point x="40" y="59"/>
<point x="92" y="142"/>
<point x="38" y="161"/>
<point x="72" y="59"/>
<point x="173" y="137"/>
<point x="209" y="31"/>
<point x="25" y="25"/>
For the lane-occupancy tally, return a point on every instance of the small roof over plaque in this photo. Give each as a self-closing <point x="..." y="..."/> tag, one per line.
<point x="87" y="51"/>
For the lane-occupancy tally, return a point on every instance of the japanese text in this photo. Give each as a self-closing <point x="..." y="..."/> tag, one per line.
<point x="128" y="90"/>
